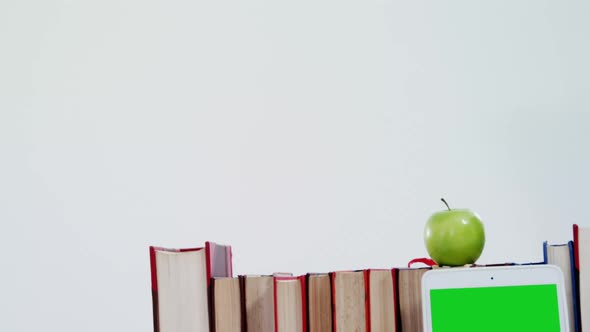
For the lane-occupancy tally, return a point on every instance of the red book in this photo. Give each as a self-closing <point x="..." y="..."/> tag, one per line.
<point x="180" y="285"/>
<point x="576" y="249"/>
<point x="290" y="304"/>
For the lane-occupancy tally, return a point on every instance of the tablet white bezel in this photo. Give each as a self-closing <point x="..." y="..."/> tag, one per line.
<point x="515" y="275"/>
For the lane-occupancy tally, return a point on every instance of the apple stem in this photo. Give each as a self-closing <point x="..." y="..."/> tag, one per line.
<point x="442" y="199"/>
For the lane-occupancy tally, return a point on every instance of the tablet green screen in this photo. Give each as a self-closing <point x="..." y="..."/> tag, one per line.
<point x="507" y="308"/>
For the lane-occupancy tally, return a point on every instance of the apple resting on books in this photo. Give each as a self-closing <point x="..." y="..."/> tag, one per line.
<point x="454" y="237"/>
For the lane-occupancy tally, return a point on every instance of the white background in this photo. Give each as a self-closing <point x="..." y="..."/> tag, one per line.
<point x="311" y="135"/>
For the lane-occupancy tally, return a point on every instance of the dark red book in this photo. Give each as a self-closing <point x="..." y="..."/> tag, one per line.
<point x="290" y="304"/>
<point x="181" y="285"/>
<point x="576" y="247"/>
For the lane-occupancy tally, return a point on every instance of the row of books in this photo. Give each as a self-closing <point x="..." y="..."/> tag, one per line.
<point x="194" y="290"/>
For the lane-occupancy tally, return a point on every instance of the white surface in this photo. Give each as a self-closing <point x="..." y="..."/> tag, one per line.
<point x="448" y="278"/>
<point x="311" y="135"/>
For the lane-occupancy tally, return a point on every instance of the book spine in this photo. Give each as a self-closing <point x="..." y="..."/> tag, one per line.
<point x="229" y="261"/>
<point x="242" y="281"/>
<point x="274" y="295"/>
<point x="153" y="268"/>
<point x="154" y="277"/>
<point x="576" y="249"/>
<point x="575" y="293"/>
<point x="306" y="321"/>
<point x="545" y="259"/>
<point x="367" y="276"/>
<point x="302" y="281"/>
<point x="576" y="277"/>
<point x="212" y="306"/>
<point x="333" y="286"/>
<point x="395" y="298"/>
<point x="208" y="257"/>
<point x="398" y="312"/>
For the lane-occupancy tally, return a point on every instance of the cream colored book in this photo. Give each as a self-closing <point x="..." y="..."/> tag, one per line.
<point x="226" y="303"/>
<point x="319" y="302"/>
<point x="258" y="301"/>
<point x="349" y="301"/>
<point x="289" y="304"/>
<point x="410" y="298"/>
<point x="180" y="285"/>
<point x="381" y="294"/>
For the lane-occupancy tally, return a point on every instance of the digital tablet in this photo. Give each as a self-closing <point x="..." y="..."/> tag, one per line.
<point x="500" y="298"/>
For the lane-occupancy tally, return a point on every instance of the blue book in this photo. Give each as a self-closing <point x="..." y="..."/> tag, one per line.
<point x="562" y="255"/>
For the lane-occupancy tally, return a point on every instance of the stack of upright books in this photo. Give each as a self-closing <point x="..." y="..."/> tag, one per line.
<point x="194" y="290"/>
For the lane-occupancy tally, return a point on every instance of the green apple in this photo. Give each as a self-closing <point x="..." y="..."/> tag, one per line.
<point x="454" y="237"/>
